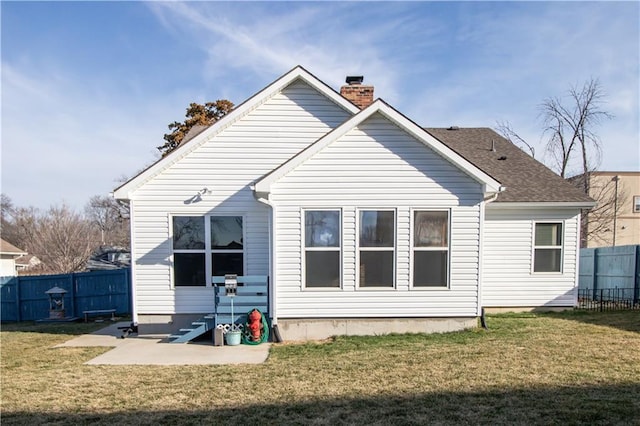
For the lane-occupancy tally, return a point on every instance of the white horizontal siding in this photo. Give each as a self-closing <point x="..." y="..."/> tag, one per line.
<point x="508" y="280"/>
<point x="377" y="165"/>
<point x="227" y="165"/>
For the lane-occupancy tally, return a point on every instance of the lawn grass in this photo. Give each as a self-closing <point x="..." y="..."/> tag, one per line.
<point x="567" y="368"/>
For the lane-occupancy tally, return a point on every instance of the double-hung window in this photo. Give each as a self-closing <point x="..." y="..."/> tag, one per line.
<point x="430" y="248"/>
<point x="376" y="248"/>
<point x="547" y="250"/>
<point x="322" y="248"/>
<point x="206" y="245"/>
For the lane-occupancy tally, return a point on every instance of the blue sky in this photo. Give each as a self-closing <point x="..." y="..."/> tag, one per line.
<point x="88" y="88"/>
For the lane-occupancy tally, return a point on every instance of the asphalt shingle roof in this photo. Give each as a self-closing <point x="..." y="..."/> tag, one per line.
<point x="8" y="248"/>
<point x="525" y="179"/>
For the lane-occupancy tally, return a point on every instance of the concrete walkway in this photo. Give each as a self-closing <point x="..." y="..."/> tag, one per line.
<point x="156" y="350"/>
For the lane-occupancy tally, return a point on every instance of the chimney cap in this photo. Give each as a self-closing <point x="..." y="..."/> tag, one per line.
<point x="355" y="79"/>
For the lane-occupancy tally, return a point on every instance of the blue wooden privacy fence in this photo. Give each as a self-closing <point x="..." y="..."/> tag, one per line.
<point x="606" y="269"/>
<point x="23" y="298"/>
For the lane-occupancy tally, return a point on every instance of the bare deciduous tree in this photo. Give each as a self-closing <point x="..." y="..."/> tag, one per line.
<point x="570" y="125"/>
<point x="598" y="223"/>
<point x="575" y="149"/>
<point x="64" y="240"/>
<point x="6" y="208"/>
<point x="60" y="237"/>
<point x="506" y="130"/>
<point x="110" y="218"/>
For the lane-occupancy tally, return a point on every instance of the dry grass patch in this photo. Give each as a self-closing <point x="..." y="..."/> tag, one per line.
<point x="526" y="369"/>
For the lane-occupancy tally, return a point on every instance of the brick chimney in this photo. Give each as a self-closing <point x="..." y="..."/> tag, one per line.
<point x="358" y="93"/>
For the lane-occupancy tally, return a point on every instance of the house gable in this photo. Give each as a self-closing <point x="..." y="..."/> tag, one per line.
<point x="297" y="75"/>
<point x="376" y="165"/>
<point x="490" y="185"/>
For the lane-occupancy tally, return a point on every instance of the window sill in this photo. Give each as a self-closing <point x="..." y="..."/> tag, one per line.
<point x="429" y="288"/>
<point x="322" y="289"/>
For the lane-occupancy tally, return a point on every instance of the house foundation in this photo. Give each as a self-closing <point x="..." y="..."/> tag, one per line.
<point x="302" y="329"/>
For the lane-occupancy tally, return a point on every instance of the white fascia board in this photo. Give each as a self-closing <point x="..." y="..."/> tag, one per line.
<point x="126" y="191"/>
<point x="541" y="205"/>
<point x="490" y="185"/>
<point x="14" y="253"/>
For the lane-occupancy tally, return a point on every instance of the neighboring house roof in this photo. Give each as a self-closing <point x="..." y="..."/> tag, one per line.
<point x="525" y="179"/>
<point x="489" y="184"/>
<point x="193" y="132"/>
<point x="27" y="261"/>
<point x="9" y="249"/>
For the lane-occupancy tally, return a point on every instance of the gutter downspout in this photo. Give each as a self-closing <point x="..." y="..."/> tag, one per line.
<point x="272" y="267"/>
<point x="480" y="308"/>
<point x="576" y="283"/>
<point x="132" y="274"/>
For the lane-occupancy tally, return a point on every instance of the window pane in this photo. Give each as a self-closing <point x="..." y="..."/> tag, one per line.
<point x="377" y="229"/>
<point x="547" y="260"/>
<point x="322" y="228"/>
<point x="227" y="263"/>
<point x="188" y="269"/>
<point x="430" y="229"/>
<point x="430" y="268"/>
<point x="636" y="204"/>
<point x="548" y="234"/>
<point x="188" y="233"/>
<point x="226" y="232"/>
<point x="376" y="269"/>
<point x="322" y="269"/>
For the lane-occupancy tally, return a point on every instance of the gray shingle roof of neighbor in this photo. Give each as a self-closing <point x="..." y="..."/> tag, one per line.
<point x="8" y="248"/>
<point x="193" y="132"/>
<point x="525" y="179"/>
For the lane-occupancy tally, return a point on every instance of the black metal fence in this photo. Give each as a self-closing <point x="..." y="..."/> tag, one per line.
<point x="608" y="299"/>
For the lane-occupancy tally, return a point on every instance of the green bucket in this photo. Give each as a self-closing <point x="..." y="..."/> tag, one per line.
<point x="232" y="338"/>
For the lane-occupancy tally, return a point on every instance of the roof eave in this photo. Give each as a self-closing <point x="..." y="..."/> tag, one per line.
<point x="490" y="186"/>
<point x="543" y="204"/>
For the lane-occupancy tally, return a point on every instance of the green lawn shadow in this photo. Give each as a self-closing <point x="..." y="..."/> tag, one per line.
<point x="615" y="404"/>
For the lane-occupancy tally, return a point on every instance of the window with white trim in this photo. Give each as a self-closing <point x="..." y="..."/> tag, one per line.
<point x="376" y="248"/>
<point x="322" y="248"/>
<point x="206" y="243"/>
<point x="227" y="245"/>
<point x="430" y="248"/>
<point x="636" y="204"/>
<point x="547" y="250"/>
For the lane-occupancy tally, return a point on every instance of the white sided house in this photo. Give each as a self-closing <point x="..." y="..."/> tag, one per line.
<point x="364" y="222"/>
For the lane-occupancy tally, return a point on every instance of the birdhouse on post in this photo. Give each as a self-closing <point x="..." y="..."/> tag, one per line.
<point x="56" y="302"/>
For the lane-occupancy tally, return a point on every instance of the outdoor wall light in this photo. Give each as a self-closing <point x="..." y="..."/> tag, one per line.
<point x="198" y="196"/>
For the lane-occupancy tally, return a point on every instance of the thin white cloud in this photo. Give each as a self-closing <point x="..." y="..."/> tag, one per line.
<point x="60" y="143"/>
<point x="321" y="38"/>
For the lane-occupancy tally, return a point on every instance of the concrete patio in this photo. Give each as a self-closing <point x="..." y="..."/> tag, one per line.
<point x="156" y="350"/>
